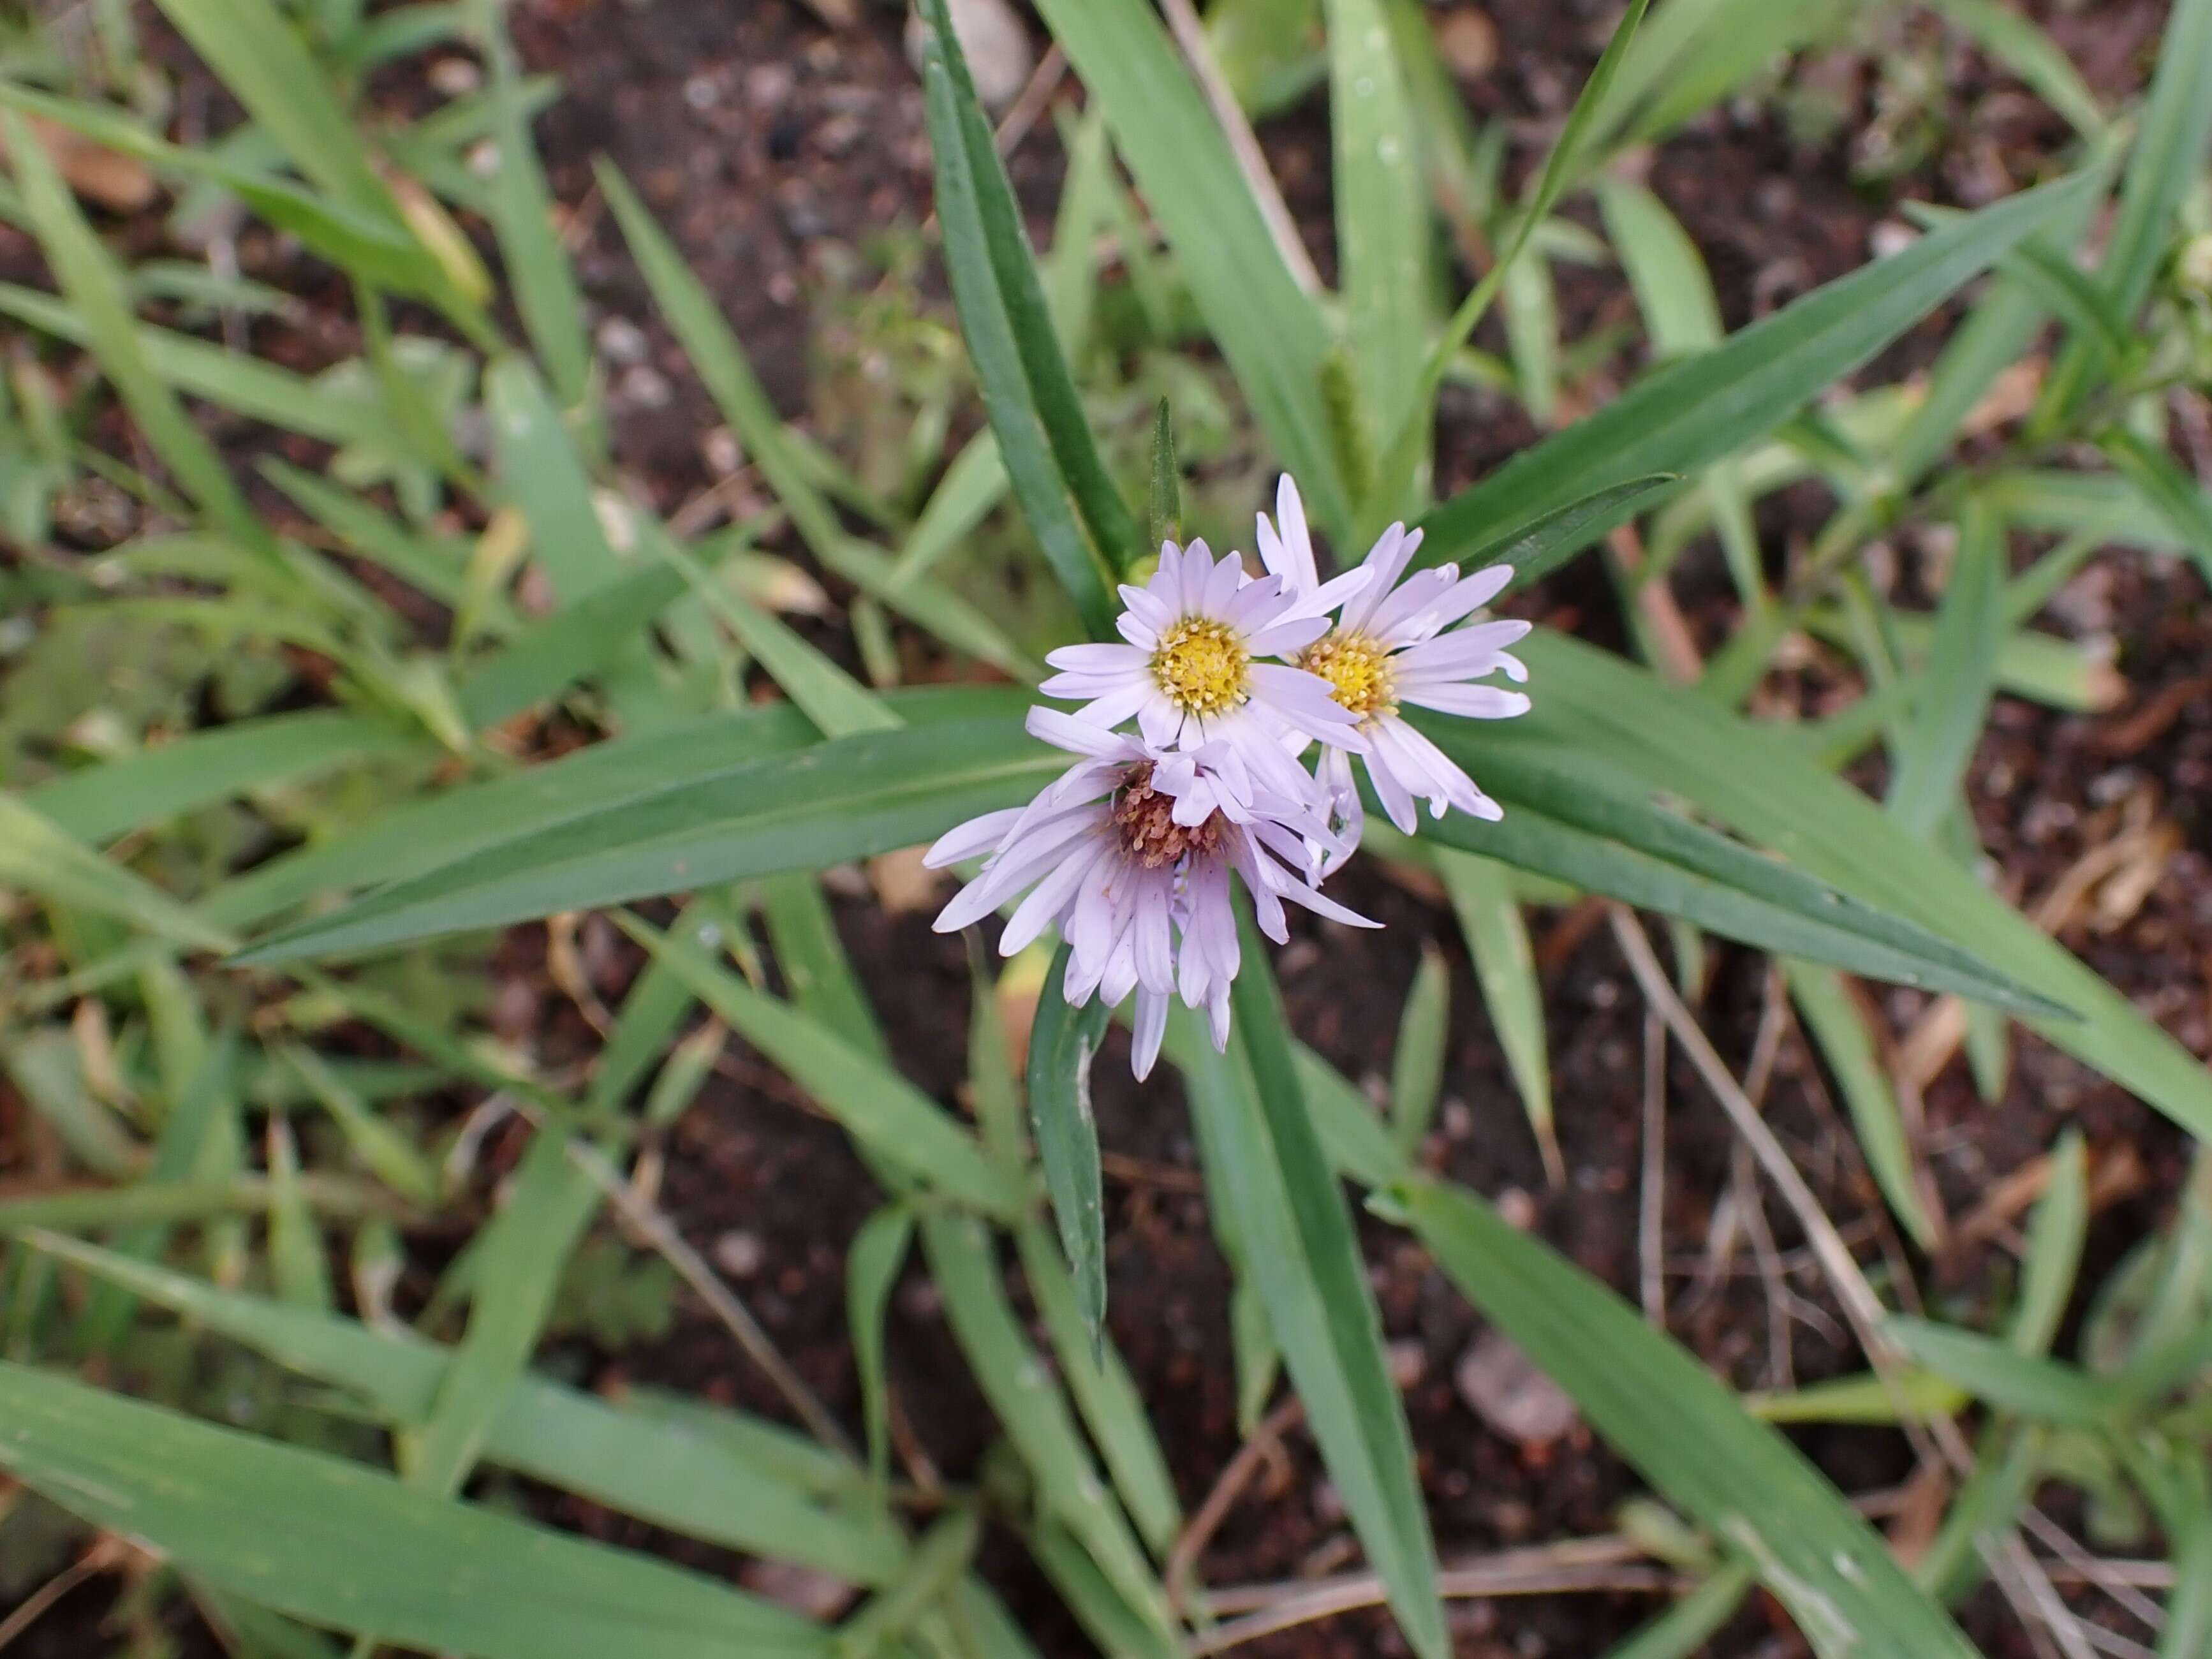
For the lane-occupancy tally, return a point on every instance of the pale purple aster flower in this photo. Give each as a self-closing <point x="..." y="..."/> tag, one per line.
<point x="1195" y="668"/>
<point x="1130" y="852"/>
<point x="1390" y="648"/>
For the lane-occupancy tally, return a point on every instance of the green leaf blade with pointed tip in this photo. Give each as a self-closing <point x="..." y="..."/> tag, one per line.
<point x="339" y="1544"/>
<point x="1660" y="1409"/>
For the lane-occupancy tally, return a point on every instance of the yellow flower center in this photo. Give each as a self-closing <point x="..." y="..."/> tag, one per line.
<point x="1357" y="670"/>
<point x="1201" y="664"/>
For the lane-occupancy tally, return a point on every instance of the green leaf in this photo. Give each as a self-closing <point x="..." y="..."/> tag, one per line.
<point x="159" y="783"/>
<point x="1382" y="238"/>
<point x="680" y="817"/>
<point x="1165" y="524"/>
<point x="245" y="385"/>
<point x="2172" y="493"/>
<point x="1404" y="449"/>
<point x="520" y="1257"/>
<point x="1674" y="290"/>
<point x="719" y="361"/>
<point x="1685" y="1628"/>
<point x="894" y="1120"/>
<point x="1552" y="539"/>
<point x="343" y="1545"/>
<point x="872" y="1265"/>
<point x="1417" y="1063"/>
<point x="1082" y="524"/>
<point x="1590" y="821"/>
<point x="1665" y="1412"/>
<point x="1035" y="1415"/>
<point x="836" y="702"/>
<point x="1833" y="1019"/>
<point x="1269" y="330"/>
<point x="1755" y="782"/>
<point x="541" y="472"/>
<point x="704" y="1472"/>
<point x="2168" y="157"/>
<point x="2000" y="1376"/>
<point x="1699" y="410"/>
<point x="2015" y="42"/>
<point x="539" y="273"/>
<point x="1104" y="1393"/>
<point x="2056" y="1234"/>
<point x="1482" y="894"/>
<point x="1062" y="1042"/>
<point x="262" y="60"/>
<point x="37" y="857"/>
<point x="94" y="288"/>
<point x="1303" y="1255"/>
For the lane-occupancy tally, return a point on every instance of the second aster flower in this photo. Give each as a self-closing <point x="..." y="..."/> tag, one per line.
<point x="1389" y="649"/>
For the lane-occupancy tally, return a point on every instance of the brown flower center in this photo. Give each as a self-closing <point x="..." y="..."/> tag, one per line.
<point x="1144" y="820"/>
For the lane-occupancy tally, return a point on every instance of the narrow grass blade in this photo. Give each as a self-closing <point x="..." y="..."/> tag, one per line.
<point x="2169" y="492"/>
<point x="972" y="485"/>
<point x="259" y="390"/>
<point x="2055" y="1235"/>
<point x="1062" y="1042"/>
<point x="1103" y="1611"/>
<point x="1665" y="1412"/>
<point x="1383" y="244"/>
<point x="1588" y="822"/>
<point x="1271" y="333"/>
<point x="1551" y="540"/>
<point x="426" y="834"/>
<point x="523" y="1253"/>
<point x="1417" y="1063"/>
<point x="1685" y="1628"/>
<point x="155" y="785"/>
<point x="709" y="1473"/>
<point x="1752" y="780"/>
<point x="826" y="805"/>
<point x="2043" y="1390"/>
<point x="340" y="1545"/>
<point x="37" y="857"/>
<point x="719" y="361"/>
<point x="541" y="472"/>
<point x="1105" y="1394"/>
<point x="1403" y="454"/>
<point x="1032" y="1411"/>
<point x="266" y="66"/>
<point x="1082" y="524"/>
<point x="1482" y="894"/>
<point x="871" y="1270"/>
<point x="1699" y="410"/>
<point x="1303" y="1255"/>
<point x="537" y="270"/>
<point x="93" y="289"/>
<point x="2168" y="155"/>
<point x="1832" y="1015"/>
<point x="1165" y="523"/>
<point x="389" y="1155"/>
<point x="895" y="1120"/>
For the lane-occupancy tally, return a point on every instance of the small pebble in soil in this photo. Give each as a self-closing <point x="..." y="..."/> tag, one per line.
<point x="739" y="1254"/>
<point x="1503" y="1386"/>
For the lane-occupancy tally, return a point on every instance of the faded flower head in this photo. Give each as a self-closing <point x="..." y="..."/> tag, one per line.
<point x="1129" y="854"/>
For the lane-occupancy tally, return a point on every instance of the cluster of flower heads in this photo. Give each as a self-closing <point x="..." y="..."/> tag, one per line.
<point x="1230" y="680"/>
